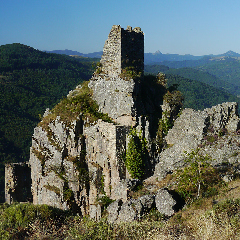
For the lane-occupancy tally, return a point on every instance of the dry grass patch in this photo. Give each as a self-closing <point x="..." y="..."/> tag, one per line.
<point x="71" y="108"/>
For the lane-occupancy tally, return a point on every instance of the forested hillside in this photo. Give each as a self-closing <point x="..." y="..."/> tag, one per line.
<point x="31" y="81"/>
<point x="227" y="69"/>
<point x="207" y="78"/>
<point x="219" y="72"/>
<point x="198" y="95"/>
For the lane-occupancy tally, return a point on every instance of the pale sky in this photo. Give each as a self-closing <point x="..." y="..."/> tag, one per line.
<point x="197" y="27"/>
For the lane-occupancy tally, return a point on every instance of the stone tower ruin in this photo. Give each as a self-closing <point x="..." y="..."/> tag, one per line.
<point x="124" y="49"/>
<point x="115" y="83"/>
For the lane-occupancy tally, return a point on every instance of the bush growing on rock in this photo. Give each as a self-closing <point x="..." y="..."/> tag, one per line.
<point x="136" y="154"/>
<point x="197" y="178"/>
<point x="80" y="103"/>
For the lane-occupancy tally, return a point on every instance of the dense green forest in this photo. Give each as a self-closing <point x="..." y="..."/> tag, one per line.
<point x="200" y="89"/>
<point x="199" y="95"/>
<point x="227" y="69"/>
<point x="31" y="81"/>
<point x="207" y="78"/>
<point x="184" y="63"/>
<point x="222" y="73"/>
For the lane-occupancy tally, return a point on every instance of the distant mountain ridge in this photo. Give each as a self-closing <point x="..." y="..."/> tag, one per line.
<point x="76" y="53"/>
<point x="156" y="57"/>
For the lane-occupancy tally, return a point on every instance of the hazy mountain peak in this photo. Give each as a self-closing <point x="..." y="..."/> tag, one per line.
<point x="157" y="52"/>
<point x="231" y="54"/>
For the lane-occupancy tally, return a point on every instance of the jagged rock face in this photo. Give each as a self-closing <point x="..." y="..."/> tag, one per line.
<point x="190" y="123"/>
<point x="53" y="156"/>
<point x="223" y="149"/>
<point x="115" y="96"/>
<point x="186" y="134"/>
<point x="75" y="163"/>
<point x="224" y="115"/>
<point x="201" y="129"/>
<point x="58" y="161"/>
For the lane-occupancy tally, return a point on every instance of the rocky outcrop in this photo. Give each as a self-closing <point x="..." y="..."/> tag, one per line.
<point x="76" y="162"/>
<point x="53" y="159"/>
<point x="115" y="97"/>
<point x="135" y="209"/>
<point x="66" y="160"/>
<point x="165" y="202"/>
<point x="204" y="130"/>
<point x="224" y="115"/>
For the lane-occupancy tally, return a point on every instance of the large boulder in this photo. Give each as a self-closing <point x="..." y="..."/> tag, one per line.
<point x="144" y="204"/>
<point x="113" y="210"/>
<point x="135" y="209"/>
<point x="165" y="202"/>
<point x="127" y="212"/>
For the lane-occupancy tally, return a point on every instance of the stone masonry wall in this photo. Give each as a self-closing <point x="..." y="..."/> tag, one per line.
<point x="17" y="183"/>
<point x="123" y="48"/>
<point x="132" y="49"/>
<point x="115" y="95"/>
<point x="111" y="58"/>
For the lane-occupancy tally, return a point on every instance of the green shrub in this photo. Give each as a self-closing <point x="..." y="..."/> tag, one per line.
<point x="136" y="154"/>
<point x="53" y="188"/>
<point x="227" y="211"/>
<point x="104" y="201"/>
<point x="198" y="178"/>
<point x="163" y="127"/>
<point x="85" y="228"/>
<point x="174" y="98"/>
<point x="130" y="73"/>
<point x="230" y="207"/>
<point x="17" y="218"/>
<point x="154" y="215"/>
<point x="89" y="229"/>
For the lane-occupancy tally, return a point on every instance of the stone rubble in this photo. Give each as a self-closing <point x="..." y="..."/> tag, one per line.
<point x="135" y="209"/>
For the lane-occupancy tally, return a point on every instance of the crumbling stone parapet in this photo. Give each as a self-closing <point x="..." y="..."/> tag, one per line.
<point x="123" y="49"/>
<point x="17" y="182"/>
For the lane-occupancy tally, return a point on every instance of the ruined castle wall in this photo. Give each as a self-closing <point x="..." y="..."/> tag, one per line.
<point x="113" y="87"/>
<point x="17" y="183"/>
<point x="123" y="49"/>
<point x="111" y="58"/>
<point x="132" y="49"/>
